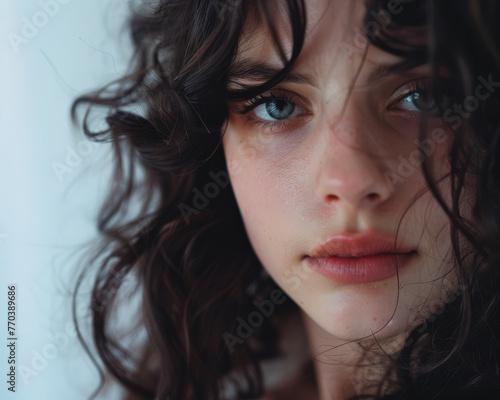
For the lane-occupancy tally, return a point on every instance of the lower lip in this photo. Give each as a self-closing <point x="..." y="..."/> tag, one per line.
<point x="367" y="269"/>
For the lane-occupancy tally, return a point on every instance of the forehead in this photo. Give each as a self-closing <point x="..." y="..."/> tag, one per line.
<point x="330" y="18"/>
<point x="334" y="43"/>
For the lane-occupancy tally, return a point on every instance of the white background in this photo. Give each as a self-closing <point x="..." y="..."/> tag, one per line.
<point x="45" y="219"/>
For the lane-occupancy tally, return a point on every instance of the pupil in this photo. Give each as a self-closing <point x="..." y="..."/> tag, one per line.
<point x="280" y="105"/>
<point x="423" y="101"/>
<point x="280" y="109"/>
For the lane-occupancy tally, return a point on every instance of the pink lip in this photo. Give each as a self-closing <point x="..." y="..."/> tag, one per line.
<point x="371" y="257"/>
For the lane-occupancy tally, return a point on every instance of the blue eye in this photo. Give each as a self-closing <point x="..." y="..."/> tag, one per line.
<point x="276" y="109"/>
<point x="418" y="101"/>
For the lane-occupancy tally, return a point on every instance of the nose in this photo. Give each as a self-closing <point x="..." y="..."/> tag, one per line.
<point x="349" y="170"/>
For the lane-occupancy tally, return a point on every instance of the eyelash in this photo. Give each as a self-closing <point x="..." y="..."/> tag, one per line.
<point x="251" y="104"/>
<point x="262" y="99"/>
<point x="415" y="87"/>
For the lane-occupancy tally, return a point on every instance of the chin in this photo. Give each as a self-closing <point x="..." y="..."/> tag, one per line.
<point x="353" y="319"/>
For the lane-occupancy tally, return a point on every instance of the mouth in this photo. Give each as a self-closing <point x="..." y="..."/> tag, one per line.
<point x="371" y="255"/>
<point x="361" y="269"/>
<point x="365" y="257"/>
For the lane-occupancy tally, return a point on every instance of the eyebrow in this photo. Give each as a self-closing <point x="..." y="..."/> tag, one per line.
<point x="261" y="71"/>
<point x="379" y="73"/>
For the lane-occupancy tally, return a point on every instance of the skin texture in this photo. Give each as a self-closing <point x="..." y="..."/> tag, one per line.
<point x="324" y="171"/>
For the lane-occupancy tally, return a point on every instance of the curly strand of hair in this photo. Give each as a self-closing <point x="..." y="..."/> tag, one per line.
<point x="188" y="276"/>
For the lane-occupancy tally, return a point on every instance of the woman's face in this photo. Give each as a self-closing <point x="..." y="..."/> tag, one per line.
<point x="307" y="163"/>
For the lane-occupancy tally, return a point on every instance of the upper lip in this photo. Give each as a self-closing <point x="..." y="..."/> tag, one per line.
<point x="360" y="244"/>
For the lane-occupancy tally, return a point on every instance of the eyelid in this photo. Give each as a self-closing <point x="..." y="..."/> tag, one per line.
<point x="273" y="127"/>
<point x="406" y="88"/>
<point x="244" y="107"/>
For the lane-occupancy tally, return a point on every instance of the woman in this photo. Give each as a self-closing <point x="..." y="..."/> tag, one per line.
<point x="318" y="199"/>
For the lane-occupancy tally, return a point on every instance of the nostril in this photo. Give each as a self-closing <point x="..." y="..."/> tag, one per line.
<point x="332" y="197"/>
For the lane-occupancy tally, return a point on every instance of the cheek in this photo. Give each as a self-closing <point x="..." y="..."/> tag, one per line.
<point x="270" y="188"/>
<point x="252" y="178"/>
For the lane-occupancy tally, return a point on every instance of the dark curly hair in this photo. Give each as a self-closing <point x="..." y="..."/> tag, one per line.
<point x="190" y="274"/>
